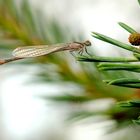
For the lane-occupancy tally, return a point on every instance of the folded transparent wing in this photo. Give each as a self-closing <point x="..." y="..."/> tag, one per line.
<point x="34" y="51"/>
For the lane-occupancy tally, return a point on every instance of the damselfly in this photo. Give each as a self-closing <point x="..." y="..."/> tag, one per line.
<point x="40" y="50"/>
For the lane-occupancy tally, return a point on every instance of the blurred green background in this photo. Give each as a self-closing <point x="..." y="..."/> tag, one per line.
<point x="73" y="90"/>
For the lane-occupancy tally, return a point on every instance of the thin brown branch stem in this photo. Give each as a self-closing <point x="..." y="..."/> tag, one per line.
<point x="4" y="61"/>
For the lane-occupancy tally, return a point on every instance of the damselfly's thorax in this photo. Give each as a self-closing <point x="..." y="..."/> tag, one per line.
<point x="78" y="45"/>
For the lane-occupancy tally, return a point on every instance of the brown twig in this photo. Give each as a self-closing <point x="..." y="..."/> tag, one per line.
<point x="4" y="61"/>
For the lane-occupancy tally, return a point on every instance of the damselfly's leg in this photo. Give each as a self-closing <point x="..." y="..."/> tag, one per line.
<point x="81" y="51"/>
<point x="87" y="52"/>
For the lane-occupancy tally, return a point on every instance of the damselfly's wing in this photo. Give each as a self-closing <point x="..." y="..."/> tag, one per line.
<point x="34" y="51"/>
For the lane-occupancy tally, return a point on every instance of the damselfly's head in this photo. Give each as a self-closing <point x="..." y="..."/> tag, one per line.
<point x="87" y="43"/>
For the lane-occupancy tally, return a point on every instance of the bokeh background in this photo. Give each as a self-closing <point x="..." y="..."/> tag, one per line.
<point x="56" y="97"/>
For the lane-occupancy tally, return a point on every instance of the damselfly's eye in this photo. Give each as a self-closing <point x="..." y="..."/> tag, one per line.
<point x="134" y="39"/>
<point x="87" y="43"/>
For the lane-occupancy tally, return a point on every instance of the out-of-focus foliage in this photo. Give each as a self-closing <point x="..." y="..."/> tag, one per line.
<point x="22" y="25"/>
